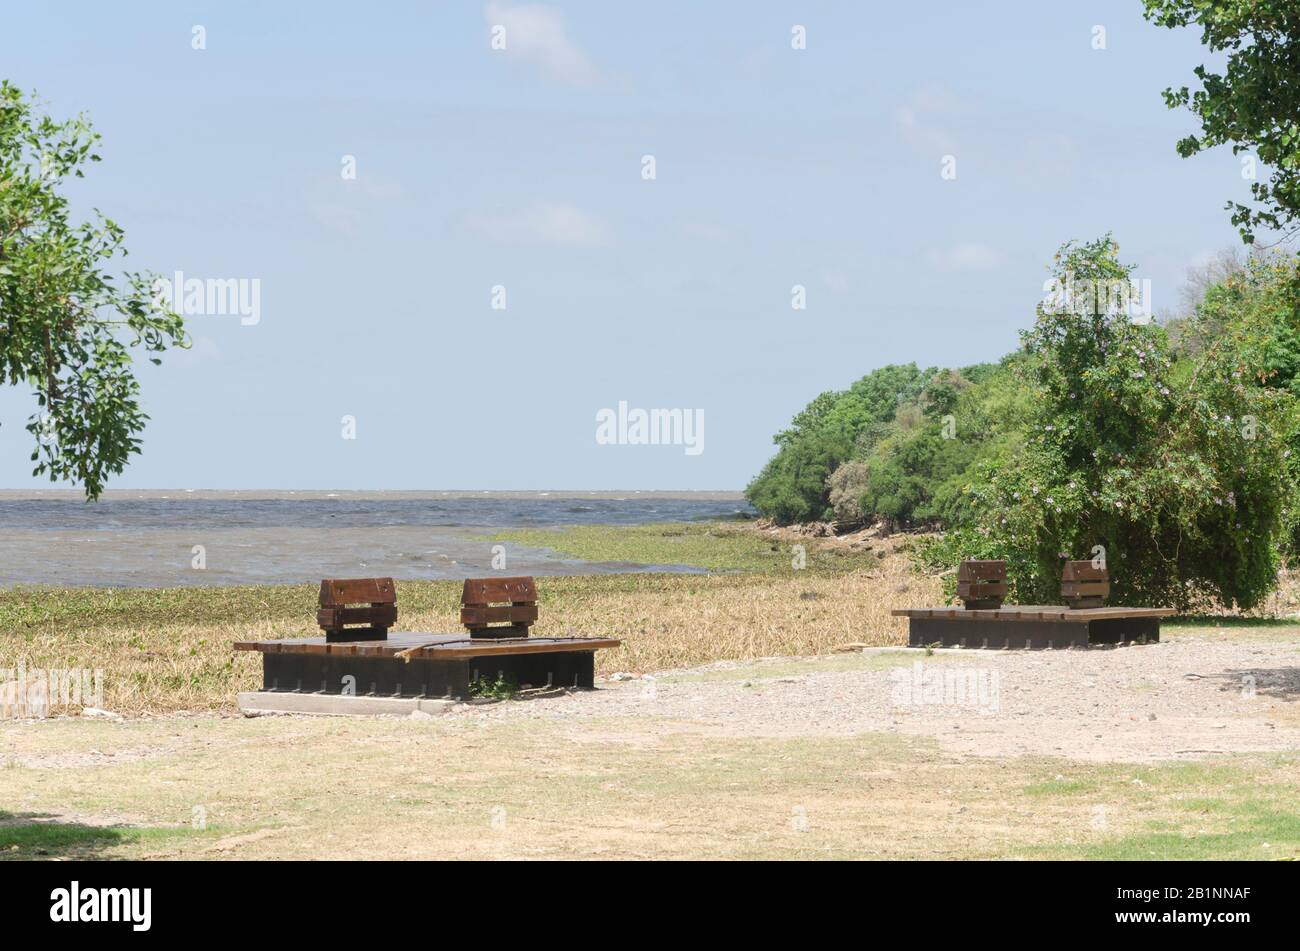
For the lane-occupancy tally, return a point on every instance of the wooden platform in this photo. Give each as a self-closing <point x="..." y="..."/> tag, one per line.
<point x="424" y="665"/>
<point x="428" y="645"/>
<point x="1031" y="626"/>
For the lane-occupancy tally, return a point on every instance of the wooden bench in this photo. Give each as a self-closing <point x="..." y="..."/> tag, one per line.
<point x="346" y="602"/>
<point x="982" y="584"/>
<point x="1083" y="621"/>
<point x="498" y="607"/>
<point x="1084" y="585"/>
<point x="367" y="660"/>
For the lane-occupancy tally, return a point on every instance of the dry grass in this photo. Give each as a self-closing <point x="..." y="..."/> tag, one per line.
<point x="684" y="623"/>
<point x="164" y="651"/>
<point x="629" y="787"/>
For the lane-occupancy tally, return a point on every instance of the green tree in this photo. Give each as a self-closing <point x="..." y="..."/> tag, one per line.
<point x="919" y="473"/>
<point x="1175" y="475"/>
<point x="1254" y="103"/>
<point x="1250" y="321"/>
<point x="68" y="329"/>
<point x="794" y="485"/>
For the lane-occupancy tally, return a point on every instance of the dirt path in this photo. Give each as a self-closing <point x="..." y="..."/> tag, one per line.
<point x="1184" y="698"/>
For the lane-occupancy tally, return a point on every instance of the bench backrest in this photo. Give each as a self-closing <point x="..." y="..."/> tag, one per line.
<point x="982" y="584"/>
<point x="498" y="607"/>
<point x="346" y="602"/>
<point x="1084" y="585"/>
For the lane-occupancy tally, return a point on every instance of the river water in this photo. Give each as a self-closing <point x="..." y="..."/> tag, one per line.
<point x="149" y="539"/>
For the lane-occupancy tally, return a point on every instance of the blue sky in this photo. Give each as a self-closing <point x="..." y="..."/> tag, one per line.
<point x="522" y="168"/>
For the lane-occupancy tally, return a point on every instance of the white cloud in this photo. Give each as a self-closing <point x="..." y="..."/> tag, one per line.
<point x="543" y="222"/>
<point x="535" y="34"/>
<point x="967" y="257"/>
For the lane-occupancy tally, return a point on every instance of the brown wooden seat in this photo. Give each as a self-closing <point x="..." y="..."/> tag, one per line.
<point x="345" y="602"/>
<point x="982" y="585"/>
<point x="1084" y="585"/>
<point x="498" y="607"/>
<point x="367" y="660"/>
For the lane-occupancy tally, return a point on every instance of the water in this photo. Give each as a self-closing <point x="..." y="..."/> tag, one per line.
<point x="133" y="539"/>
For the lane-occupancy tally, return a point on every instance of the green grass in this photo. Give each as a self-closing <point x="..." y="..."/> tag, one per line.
<point x="37" y="836"/>
<point x="33" y="839"/>
<point x="1261" y="834"/>
<point x="715" y="546"/>
<point x="1239" y="807"/>
<point x="38" y="608"/>
<point x="28" y="610"/>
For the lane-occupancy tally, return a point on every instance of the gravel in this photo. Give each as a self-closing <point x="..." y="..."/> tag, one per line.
<point x="1182" y="699"/>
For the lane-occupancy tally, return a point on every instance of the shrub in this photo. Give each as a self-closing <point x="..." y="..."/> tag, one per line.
<point x="847" y="485"/>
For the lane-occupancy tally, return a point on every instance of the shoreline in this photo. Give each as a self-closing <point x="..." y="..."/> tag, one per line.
<point x="369" y="495"/>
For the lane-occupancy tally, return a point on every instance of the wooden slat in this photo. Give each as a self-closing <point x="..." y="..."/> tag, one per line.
<point x="337" y="592"/>
<point x="1082" y="571"/>
<point x="485" y="591"/>
<point x="1021" y="612"/>
<point x="438" y="646"/>
<point x="981" y="589"/>
<point x="1085" y="589"/>
<point x="526" y="646"/>
<point x="973" y="569"/>
<point x="384" y="615"/>
<point x="510" y="614"/>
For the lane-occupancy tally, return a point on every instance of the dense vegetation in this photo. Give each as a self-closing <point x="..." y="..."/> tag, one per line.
<point x="1173" y="446"/>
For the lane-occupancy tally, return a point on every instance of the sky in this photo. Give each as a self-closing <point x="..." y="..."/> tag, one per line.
<point x="385" y="173"/>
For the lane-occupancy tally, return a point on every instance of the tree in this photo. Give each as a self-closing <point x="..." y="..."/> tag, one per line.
<point x="1253" y="104"/>
<point x="67" y="328"/>
<point x="1173" y="471"/>
<point x="794" y="485"/>
<point x="1250" y="320"/>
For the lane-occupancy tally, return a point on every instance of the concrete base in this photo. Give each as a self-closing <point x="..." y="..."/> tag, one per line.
<point x="259" y="702"/>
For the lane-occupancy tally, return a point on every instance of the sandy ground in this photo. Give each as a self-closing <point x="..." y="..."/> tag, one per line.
<point x="1183" y="698"/>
